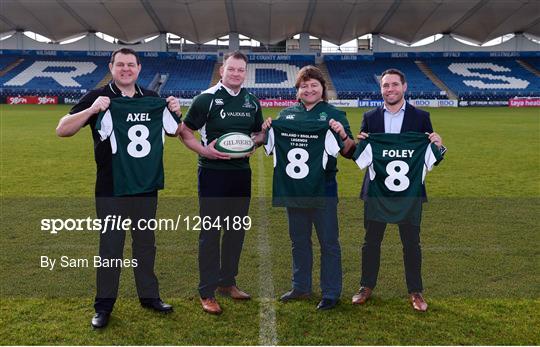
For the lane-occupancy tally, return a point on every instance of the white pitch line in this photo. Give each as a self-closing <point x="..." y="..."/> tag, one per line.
<point x="267" y="311"/>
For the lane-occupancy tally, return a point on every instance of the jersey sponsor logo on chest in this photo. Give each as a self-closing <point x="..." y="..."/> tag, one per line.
<point x="224" y="114"/>
<point x="247" y="103"/>
<point x="138" y="117"/>
<point x="398" y="153"/>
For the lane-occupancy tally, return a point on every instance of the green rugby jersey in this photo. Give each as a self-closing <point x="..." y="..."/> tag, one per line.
<point x="216" y="112"/>
<point x="398" y="164"/>
<point x="302" y="151"/>
<point x="137" y="128"/>
<point x="322" y="112"/>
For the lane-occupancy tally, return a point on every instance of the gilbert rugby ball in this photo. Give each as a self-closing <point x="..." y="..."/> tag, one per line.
<point x="237" y="145"/>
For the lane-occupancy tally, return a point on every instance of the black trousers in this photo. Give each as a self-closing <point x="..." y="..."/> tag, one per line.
<point x="222" y="194"/>
<point x="412" y="254"/>
<point x="111" y="246"/>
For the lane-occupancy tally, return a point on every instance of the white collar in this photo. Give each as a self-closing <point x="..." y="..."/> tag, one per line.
<point x="229" y="90"/>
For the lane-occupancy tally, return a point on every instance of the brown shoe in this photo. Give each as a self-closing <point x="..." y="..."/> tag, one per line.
<point x="234" y="292"/>
<point x="362" y="296"/>
<point x="418" y="302"/>
<point x="210" y="305"/>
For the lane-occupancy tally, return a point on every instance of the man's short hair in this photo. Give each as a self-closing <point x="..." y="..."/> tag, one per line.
<point x="126" y="51"/>
<point x="309" y="72"/>
<point x="235" y="55"/>
<point x="395" y="72"/>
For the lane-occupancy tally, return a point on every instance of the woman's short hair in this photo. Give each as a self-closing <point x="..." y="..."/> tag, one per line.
<point x="311" y="72"/>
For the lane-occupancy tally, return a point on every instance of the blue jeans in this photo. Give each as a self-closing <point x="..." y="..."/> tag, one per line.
<point x="326" y="226"/>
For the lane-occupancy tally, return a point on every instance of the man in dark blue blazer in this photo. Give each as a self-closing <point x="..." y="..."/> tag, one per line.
<point x="395" y="116"/>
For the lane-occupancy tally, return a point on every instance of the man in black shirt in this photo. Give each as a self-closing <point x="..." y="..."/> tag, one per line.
<point x="125" y="67"/>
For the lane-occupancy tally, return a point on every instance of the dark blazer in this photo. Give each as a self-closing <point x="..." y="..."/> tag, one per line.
<point x="413" y="120"/>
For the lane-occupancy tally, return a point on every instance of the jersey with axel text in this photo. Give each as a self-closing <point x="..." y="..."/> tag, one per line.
<point x="301" y="152"/>
<point x="137" y="128"/>
<point x="216" y="112"/>
<point x="398" y="164"/>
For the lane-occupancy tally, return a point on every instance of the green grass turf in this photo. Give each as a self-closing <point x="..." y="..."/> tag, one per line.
<point x="479" y="236"/>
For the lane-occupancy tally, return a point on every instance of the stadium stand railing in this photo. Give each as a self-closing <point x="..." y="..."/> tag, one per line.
<point x="330" y="88"/>
<point x="532" y="65"/>
<point x="8" y="63"/>
<point x="436" y="80"/>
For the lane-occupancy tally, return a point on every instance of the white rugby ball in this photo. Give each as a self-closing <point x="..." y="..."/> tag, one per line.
<point x="237" y="145"/>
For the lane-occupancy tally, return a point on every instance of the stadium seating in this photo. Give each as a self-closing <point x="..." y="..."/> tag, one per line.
<point x="534" y="62"/>
<point x="72" y="77"/>
<point x="55" y="72"/>
<point x="495" y="78"/>
<point x="274" y="80"/>
<point x="53" y="75"/>
<point x="359" y="79"/>
<point x="470" y="79"/>
<point x="6" y="60"/>
<point x="187" y="78"/>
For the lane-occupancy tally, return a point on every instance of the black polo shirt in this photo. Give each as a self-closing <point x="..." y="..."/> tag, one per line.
<point x="102" y="149"/>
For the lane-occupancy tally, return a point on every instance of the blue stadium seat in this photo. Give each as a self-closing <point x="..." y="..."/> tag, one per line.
<point x="187" y="78"/>
<point x="492" y="78"/>
<point x="54" y="74"/>
<point x="5" y="60"/>
<point x="274" y="80"/>
<point x="535" y="62"/>
<point x="359" y="79"/>
<point x="471" y="79"/>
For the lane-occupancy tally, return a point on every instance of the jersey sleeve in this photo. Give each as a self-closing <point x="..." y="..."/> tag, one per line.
<point x="432" y="157"/>
<point x="363" y="155"/>
<point x="270" y="142"/>
<point x="197" y="113"/>
<point x="258" y="117"/>
<point x="104" y="124"/>
<point x="346" y="126"/>
<point x="170" y="122"/>
<point x="332" y="143"/>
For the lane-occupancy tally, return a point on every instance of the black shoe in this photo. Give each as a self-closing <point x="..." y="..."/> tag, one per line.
<point x="294" y="294"/>
<point x="100" y="320"/>
<point x="157" y="305"/>
<point x="327" y="304"/>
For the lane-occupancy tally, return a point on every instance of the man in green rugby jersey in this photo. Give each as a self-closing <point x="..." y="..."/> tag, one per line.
<point x="224" y="183"/>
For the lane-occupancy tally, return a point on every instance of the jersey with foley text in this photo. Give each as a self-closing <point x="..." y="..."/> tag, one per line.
<point x="398" y="164"/>
<point x="137" y="130"/>
<point x="301" y="151"/>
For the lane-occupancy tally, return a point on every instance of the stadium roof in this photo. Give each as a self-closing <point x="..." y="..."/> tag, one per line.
<point x="271" y="21"/>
